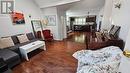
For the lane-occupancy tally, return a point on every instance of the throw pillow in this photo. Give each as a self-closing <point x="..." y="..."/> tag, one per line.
<point x="6" y="42"/>
<point x="22" y="38"/>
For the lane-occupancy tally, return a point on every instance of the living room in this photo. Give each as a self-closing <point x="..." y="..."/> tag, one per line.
<point x="20" y="39"/>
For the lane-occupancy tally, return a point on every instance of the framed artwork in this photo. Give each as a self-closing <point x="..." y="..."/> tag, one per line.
<point x="18" y="18"/>
<point x="36" y="25"/>
<point x="50" y="20"/>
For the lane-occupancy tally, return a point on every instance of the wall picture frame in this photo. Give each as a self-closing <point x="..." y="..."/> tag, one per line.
<point x="50" y="19"/>
<point x="36" y="26"/>
<point x="17" y="18"/>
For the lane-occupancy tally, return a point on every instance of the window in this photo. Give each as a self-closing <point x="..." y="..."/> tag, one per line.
<point x="80" y="21"/>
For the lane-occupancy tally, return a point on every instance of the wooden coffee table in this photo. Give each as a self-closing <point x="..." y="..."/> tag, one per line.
<point x="30" y="47"/>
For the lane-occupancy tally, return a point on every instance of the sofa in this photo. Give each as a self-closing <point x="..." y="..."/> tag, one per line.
<point x="105" y="60"/>
<point x="4" y="67"/>
<point x="18" y="44"/>
<point x="12" y="55"/>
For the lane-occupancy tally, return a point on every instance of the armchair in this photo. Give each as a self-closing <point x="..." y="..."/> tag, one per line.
<point x="48" y="36"/>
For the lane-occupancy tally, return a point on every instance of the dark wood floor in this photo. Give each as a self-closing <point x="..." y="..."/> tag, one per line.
<point x="58" y="57"/>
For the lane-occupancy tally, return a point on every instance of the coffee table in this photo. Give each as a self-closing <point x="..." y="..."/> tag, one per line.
<point x="30" y="47"/>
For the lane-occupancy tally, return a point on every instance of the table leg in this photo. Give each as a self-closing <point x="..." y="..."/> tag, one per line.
<point x="26" y="56"/>
<point x="44" y="47"/>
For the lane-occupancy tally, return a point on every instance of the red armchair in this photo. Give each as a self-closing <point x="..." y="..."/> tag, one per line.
<point x="47" y="35"/>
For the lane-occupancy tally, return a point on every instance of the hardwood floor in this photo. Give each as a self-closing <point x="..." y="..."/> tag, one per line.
<point x="58" y="57"/>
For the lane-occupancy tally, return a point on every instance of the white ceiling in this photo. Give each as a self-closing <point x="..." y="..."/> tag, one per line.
<point x="73" y="6"/>
<point x="88" y="4"/>
<point x="84" y="6"/>
<point x="50" y="3"/>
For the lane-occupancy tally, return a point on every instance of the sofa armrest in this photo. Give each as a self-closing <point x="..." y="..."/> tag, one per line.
<point x="3" y="65"/>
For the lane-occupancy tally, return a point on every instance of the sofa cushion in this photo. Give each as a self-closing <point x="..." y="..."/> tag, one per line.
<point x="30" y="36"/>
<point x="25" y="43"/>
<point x="6" y="54"/>
<point x="6" y="42"/>
<point x="22" y="38"/>
<point x="14" y="48"/>
<point x="15" y="39"/>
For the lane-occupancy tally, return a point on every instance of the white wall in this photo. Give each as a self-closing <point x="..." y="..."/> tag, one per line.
<point x="54" y="29"/>
<point x="124" y="22"/>
<point x="27" y="7"/>
<point x="126" y="64"/>
<point x="107" y="14"/>
<point x="121" y="17"/>
<point x="99" y="17"/>
<point x="62" y="22"/>
<point x="127" y="46"/>
<point x="59" y="30"/>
